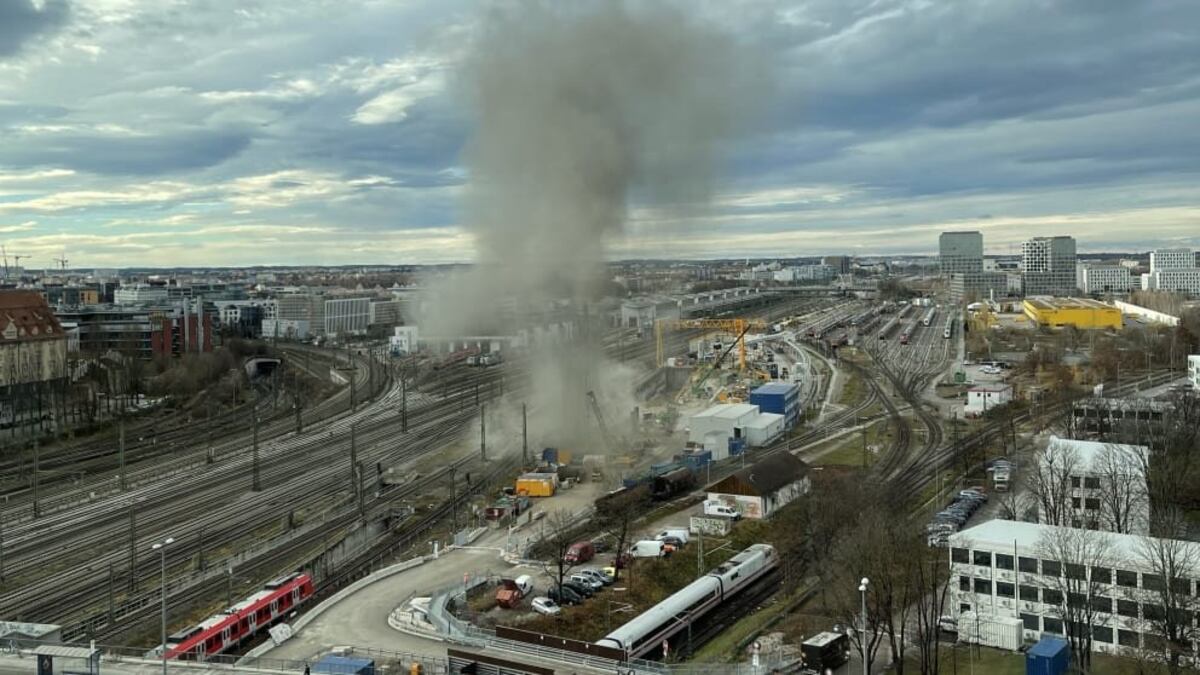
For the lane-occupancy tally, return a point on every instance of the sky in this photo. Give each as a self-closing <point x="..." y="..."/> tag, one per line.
<point x="243" y="132"/>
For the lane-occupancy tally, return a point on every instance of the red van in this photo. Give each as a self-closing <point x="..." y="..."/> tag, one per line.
<point x="580" y="552"/>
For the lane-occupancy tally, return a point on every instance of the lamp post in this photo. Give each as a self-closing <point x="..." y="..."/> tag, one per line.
<point x="862" y="589"/>
<point x="162" y="550"/>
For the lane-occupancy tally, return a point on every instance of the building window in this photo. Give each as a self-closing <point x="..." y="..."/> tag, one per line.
<point x="1181" y="586"/>
<point x="1127" y="579"/>
<point x="983" y="558"/>
<point x="1091" y="504"/>
<point x="1076" y="502"/>
<point x="1052" y="625"/>
<point x="959" y="555"/>
<point x="1076" y="599"/>
<point x="1051" y="568"/>
<point x="1127" y="638"/>
<point x="1031" y="621"/>
<point x="1152" y="582"/>
<point x="964" y="584"/>
<point x="1004" y="562"/>
<point x="983" y="586"/>
<point x="1074" y="481"/>
<point x="1154" y="612"/>
<point x="1101" y="575"/>
<point x="1029" y="565"/>
<point x="1029" y="593"/>
<point x="1051" y="596"/>
<point x="1075" y="571"/>
<point x="1102" y="634"/>
<point x="1004" y="589"/>
<point x="1127" y="608"/>
<point x="1102" y="604"/>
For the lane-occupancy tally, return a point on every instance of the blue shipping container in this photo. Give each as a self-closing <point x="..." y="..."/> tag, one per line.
<point x="1050" y="656"/>
<point x="780" y="398"/>
<point x="332" y="664"/>
<point x="550" y="455"/>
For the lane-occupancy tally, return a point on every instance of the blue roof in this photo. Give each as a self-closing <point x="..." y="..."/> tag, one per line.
<point x="1048" y="646"/>
<point x="776" y="388"/>
<point x="334" y="664"/>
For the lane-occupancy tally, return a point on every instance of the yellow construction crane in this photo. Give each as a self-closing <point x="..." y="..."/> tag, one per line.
<point x="735" y="327"/>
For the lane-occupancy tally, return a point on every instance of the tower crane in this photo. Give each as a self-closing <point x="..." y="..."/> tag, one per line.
<point x="736" y="327"/>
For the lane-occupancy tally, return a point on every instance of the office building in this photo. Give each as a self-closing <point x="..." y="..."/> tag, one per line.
<point x="1105" y="483"/>
<point x="1179" y="280"/>
<point x="1082" y="313"/>
<point x="347" y="316"/>
<point x="1172" y="259"/>
<point x="140" y="294"/>
<point x="103" y="329"/>
<point x="185" y="328"/>
<point x="979" y="286"/>
<point x="1007" y="569"/>
<point x="960" y="253"/>
<point x="839" y="263"/>
<point x="1098" y="279"/>
<point x="1049" y="265"/>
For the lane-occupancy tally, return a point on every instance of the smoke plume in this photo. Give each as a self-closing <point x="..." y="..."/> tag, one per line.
<point x="580" y="110"/>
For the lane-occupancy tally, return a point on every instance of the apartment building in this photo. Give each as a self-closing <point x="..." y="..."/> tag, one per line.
<point x="1037" y="573"/>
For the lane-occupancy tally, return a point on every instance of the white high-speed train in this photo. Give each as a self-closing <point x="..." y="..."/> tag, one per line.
<point x="646" y="633"/>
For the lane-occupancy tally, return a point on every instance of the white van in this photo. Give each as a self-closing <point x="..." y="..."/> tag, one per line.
<point x="714" y="507"/>
<point x="680" y="533"/>
<point x="647" y="548"/>
<point x="524" y="584"/>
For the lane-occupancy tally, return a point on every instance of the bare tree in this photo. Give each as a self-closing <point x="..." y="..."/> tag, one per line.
<point x="930" y="575"/>
<point x="1049" y="483"/>
<point x="558" y="535"/>
<point x="1076" y="592"/>
<point x="863" y="552"/>
<point x="1173" y="564"/>
<point x="616" y="515"/>
<point x="1121" y="471"/>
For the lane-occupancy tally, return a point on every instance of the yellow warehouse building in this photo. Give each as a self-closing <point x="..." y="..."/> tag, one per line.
<point x="1082" y="313"/>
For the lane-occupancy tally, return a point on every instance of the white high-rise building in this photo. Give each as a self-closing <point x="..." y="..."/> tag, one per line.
<point x="1103" y="279"/>
<point x="1171" y="259"/>
<point x="1180" y="280"/>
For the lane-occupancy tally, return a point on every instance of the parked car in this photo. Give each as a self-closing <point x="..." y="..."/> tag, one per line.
<point x="580" y="552"/>
<point x="672" y="543"/>
<point x="680" y="533"/>
<point x="544" y="605"/>
<point x="587" y="581"/>
<point x="582" y="590"/>
<point x="567" y="597"/>
<point x="597" y="575"/>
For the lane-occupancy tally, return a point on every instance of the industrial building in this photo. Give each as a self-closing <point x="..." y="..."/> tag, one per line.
<point x="1082" y="313"/>
<point x="982" y="398"/>
<point x="1004" y="568"/>
<point x="766" y="486"/>
<point x="781" y="398"/>
<point x="715" y="427"/>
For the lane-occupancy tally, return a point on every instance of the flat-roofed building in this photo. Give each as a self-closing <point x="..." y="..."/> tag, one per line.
<point x="1082" y="313"/>
<point x="1103" y="279"/>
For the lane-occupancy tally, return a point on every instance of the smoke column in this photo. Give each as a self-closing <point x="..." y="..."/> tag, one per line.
<point x="580" y="109"/>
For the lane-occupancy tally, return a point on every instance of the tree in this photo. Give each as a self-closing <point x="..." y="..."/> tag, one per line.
<point x="931" y="576"/>
<point x="1077" y="592"/>
<point x="558" y="535"/>
<point x="1048" y="483"/>
<point x="1173" y="564"/>
<point x="616" y="515"/>
<point x="1124" y="502"/>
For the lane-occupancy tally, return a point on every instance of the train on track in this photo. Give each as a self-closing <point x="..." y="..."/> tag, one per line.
<point x="644" y="636"/>
<point x="240" y="622"/>
<point x="948" y="330"/>
<point x="888" y="328"/>
<point x="907" y="333"/>
<point x="928" y="318"/>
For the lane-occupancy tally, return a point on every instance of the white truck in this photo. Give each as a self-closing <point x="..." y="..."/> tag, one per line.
<point x="647" y="548"/>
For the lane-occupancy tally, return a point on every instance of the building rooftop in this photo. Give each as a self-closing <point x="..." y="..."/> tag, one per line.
<point x="1004" y="534"/>
<point x="24" y="315"/>
<point x="763" y="420"/>
<point x="728" y="411"/>
<point x="1044" y="302"/>
<point x="993" y="388"/>
<point x="772" y="388"/>
<point x="764" y="476"/>
<point x="1090" y="452"/>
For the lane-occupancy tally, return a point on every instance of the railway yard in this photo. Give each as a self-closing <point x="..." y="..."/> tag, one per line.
<point x="392" y="462"/>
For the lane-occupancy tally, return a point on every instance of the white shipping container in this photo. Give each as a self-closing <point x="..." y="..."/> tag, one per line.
<point x="1001" y="632"/>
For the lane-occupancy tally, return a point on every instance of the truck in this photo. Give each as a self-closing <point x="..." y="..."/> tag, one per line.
<point x="511" y="591"/>
<point x="716" y="507"/>
<point x="537" y="484"/>
<point x="647" y="548"/>
<point x="825" y="652"/>
<point x="580" y="552"/>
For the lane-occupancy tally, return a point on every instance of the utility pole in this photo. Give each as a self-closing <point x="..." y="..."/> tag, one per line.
<point x="210" y="456"/>
<point x="296" y="405"/>
<point x="255" y="484"/>
<point x="362" y="508"/>
<point x="403" y="403"/>
<point x="1" y="551"/>
<point x="482" y="433"/>
<point x="864" y="443"/>
<point x="132" y="551"/>
<point x="453" y="502"/>
<point x="111" y="595"/>
<point x="524" y="435"/>
<point x="200" y="561"/>
<point x="122" y="480"/>
<point x="37" y="507"/>
<point x="229" y="585"/>
<point x="354" y="483"/>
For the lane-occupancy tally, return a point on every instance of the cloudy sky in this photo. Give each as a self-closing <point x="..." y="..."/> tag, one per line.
<point x="232" y="132"/>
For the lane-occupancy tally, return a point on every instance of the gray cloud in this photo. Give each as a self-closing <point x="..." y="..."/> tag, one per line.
<point x="22" y="20"/>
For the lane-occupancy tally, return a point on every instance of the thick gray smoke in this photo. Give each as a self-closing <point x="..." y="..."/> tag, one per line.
<point x="581" y="108"/>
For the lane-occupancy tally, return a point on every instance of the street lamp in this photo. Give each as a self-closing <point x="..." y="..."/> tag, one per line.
<point x="862" y="589"/>
<point x="162" y="550"/>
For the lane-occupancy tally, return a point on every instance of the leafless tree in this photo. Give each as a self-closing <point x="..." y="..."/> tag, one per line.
<point x="558" y="534"/>
<point x="930" y="577"/>
<point x="1121" y="471"/>
<point x="1077" y="592"/>
<point x="1048" y="483"/>
<point x="864" y="552"/>
<point x="1173" y="564"/>
<point x="616" y="515"/>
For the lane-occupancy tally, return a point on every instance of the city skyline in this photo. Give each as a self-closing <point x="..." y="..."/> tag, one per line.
<point x="144" y="134"/>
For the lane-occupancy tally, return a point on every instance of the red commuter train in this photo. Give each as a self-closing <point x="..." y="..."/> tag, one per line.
<point x="237" y="623"/>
